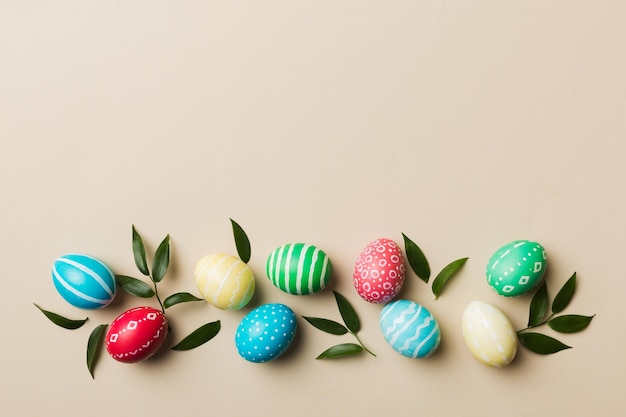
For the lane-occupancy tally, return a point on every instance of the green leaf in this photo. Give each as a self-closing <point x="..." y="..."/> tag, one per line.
<point x="570" y="323"/>
<point x="445" y="274"/>
<point x="161" y="260"/>
<point x="133" y="286"/>
<point x="540" y="343"/>
<point x="199" y="336"/>
<point x="417" y="259"/>
<point x="538" y="306"/>
<point x="348" y="314"/>
<point x="93" y="346"/>
<point x="180" y="297"/>
<point x="564" y="296"/>
<point x="139" y="252"/>
<point x="241" y="242"/>
<point x="340" y="351"/>
<point x="328" y="326"/>
<point x="62" y="321"/>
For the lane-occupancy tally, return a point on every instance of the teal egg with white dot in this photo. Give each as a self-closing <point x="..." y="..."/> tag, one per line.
<point x="265" y="333"/>
<point x="516" y="268"/>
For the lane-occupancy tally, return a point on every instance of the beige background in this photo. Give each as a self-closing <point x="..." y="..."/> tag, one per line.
<point x="462" y="124"/>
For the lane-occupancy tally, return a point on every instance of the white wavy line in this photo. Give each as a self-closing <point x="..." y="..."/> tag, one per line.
<point x="74" y="291"/>
<point x="90" y="272"/>
<point x="201" y="270"/>
<point x="400" y="318"/>
<point x="430" y="335"/>
<point x="231" y="301"/>
<point x="406" y="326"/>
<point x="416" y="336"/>
<point x="225" y="279"/>
<point x="387" y="310"/>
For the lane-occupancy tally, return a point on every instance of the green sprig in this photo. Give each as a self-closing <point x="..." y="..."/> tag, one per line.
<point x="567" y="323"/>
<point x="351" y="325"/>
<point x="419" y="264"/>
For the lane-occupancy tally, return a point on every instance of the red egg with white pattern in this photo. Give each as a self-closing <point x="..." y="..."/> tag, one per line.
<point x="379" y="271"/>
<point x="136" y="334"/>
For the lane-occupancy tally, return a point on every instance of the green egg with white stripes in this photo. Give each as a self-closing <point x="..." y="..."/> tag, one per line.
<point x="299" y="268"/>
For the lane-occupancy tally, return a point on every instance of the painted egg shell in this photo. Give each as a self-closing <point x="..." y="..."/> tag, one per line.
<point x="299" y="269"/>
<point x="224" y="281"/>
<point x="516" y="268"/>
<point x="84" y="281"/>
<point x="136" y="334"/>
<point x="379" y="271"/>
<point x="489" y="334"/>
<point x="410" y="328"/>
<point x="265" y="333"/>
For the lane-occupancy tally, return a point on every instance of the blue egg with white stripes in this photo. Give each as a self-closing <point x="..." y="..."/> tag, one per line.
<point x="410" y="329"/>
<point x="84" y="281"/>
<point x="265" y="333"/>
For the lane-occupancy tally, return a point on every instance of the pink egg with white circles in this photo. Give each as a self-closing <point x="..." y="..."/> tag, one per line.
<point x="379" y="271"/>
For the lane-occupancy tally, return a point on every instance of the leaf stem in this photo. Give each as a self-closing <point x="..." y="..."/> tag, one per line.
<point x="538" y="324"/>
<point x="362" y="345"/>
<point x="156" y="293"/>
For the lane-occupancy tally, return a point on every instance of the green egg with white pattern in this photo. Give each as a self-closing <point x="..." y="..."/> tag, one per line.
<point x="299" y="268"/>
<point x="516" y="268"/>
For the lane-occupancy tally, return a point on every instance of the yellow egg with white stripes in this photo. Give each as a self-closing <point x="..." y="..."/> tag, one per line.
<point x="489" y="334"/>
<point x="224" y="281"/>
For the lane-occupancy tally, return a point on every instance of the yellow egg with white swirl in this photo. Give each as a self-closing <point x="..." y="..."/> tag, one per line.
<point x="224" y="281"/>
<point x="489" y="334"/>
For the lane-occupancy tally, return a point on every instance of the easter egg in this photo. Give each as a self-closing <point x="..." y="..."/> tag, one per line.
<point x="410" y="329"/>
<point x="516" y="268"/>
<point x="489" y="334"/>
<point x="265" y="333"/>
<point x="299" y="269"/>
<point x="224" y="281"/>
<point x="136" y="334"/>
<point x="84" y="281"/>
<point x="378" y="272"/>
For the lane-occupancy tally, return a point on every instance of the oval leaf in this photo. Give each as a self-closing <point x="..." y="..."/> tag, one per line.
<point x="199" y="336"/>
<point x="417" y="259"/>
<point x="445" y="274"/>
<point x="564" y="296"/>
<point x="241" y="242"/>
<point x="180" y="297"/>
<point x="133" y="286"/>
<point x="540" y="343"/>
<point x="93" y="346"/>
<point x="538" y="306"/>
<point x="326" y="325"/>
<point x="139" y="252"/>
<point x="570" y="323"/>
<point x="347" y="312"/>
<point x="161" y="260"/>
<point x="62" y="321"/>
<point x="340" y="351"/>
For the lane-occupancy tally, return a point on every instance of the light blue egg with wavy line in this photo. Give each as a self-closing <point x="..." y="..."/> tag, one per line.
<point x="410" y="329"/>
